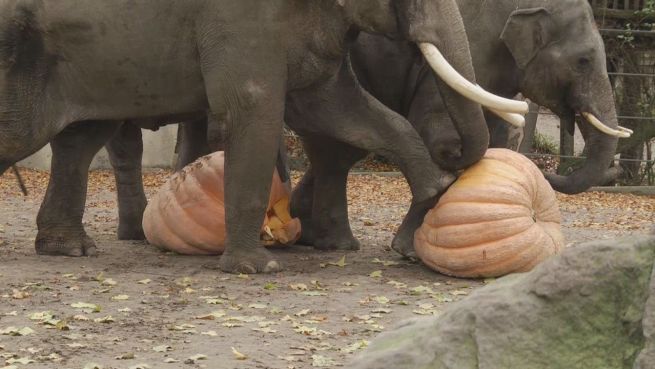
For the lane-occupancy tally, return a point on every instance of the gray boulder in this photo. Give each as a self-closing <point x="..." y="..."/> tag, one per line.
<point x="583" y="309"/>
<point x="646" y="359"/>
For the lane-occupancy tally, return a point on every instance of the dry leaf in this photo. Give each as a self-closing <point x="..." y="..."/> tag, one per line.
<point x="238" y="355"/>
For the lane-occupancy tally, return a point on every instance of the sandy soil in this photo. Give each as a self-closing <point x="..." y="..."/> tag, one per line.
<point x="136" y="307"/>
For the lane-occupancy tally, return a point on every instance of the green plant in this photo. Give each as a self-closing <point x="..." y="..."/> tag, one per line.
<point x="542" y="144"/>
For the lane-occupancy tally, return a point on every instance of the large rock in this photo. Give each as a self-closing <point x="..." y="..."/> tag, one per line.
<point x="646" y="359"/>
<point x="582" y="309"/>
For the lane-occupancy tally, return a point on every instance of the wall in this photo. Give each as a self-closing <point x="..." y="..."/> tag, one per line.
<point x="158" y="152"/>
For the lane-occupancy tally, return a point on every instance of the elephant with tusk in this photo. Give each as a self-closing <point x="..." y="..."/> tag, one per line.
<point x="561" y="66"/>
<point x="550" y="51"/>
<point x="72" y="70"/>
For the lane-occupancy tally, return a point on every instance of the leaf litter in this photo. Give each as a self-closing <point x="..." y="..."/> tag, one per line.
<point x="307" y="316"/>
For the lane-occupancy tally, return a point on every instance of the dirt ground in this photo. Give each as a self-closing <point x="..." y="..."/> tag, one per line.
<point x="136" y="307"/>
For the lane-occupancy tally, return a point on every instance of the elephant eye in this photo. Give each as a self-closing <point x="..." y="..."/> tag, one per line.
<point x="583" y="62"/>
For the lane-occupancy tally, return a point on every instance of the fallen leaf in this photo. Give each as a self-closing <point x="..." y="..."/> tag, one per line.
<point x="184" y="282"/>
<point x="86" y="307"/>
<point x="376" y="274"/>
<point x="13" y="331"/>
<point x="359" y="345"/>
<point x="322" y="361"/>
<point x="162" y="348"/>
<point x="298" y="287"/>
<point x="120" y="298"/>
<point x="22" y="360"/>
<point x="381" y="300"/>
<point x="385" y="262"/>
<point x="314" y="293"/>
<point x="44" y="315"/>
<point x="92" y="366"/>
<point x="19" y="295"/>
<point x="270" y="286"/>
<point x="303" y="312"/>
<point x="238" y="355"/>
<point x="213" y="315"/>
<point x="341" y="263"/>
<point x="264" y="330"/>
<point x="106" y="319"/>
<point x="108" y="282"/>
<point x="195" y="358"/>
<point x="144" y="281"/>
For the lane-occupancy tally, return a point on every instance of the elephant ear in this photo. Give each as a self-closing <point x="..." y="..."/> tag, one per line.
<point x="526" y="32"/>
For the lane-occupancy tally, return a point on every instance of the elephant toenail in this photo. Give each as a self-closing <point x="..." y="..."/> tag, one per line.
<point x="246" y="268"/>
<point x="272" y="266"/>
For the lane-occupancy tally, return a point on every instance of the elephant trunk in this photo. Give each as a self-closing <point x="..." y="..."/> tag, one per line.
<point x="600" y="146"/>
<point x="448" y="29"/>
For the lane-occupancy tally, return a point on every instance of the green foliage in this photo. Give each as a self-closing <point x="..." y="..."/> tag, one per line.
<point x="544" y="145"/>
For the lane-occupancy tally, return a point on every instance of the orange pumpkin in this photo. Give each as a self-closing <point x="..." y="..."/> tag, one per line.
<point x="501" y="216"/>
<point x="187" y="215"/>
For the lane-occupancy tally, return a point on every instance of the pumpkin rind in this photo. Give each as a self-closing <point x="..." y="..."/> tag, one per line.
<point x="187" y="215"/>
<point x="501" y="216"/>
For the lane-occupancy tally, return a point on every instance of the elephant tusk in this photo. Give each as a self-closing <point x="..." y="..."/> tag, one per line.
<point x="517" y="120"/>
<point x="620" y="133"/>
<point x="626" y="130"/>
<point x="460" y="84"/>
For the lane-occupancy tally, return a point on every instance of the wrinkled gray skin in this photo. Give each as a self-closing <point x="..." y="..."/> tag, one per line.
<point x="69" y="70"/>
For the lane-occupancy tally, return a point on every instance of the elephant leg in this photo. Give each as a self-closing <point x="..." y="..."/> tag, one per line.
<point x="251" y="102"/>
<point x="343" y="111"/>
<point x="302" y="203"/>
<point x="192" y="142"/>
<point x="59" y="222"/>
<point x="321" y="199"/>
<point x="403" y="241"/>
<point x="125" y="150"/>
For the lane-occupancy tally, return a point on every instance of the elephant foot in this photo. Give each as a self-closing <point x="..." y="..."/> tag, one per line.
<point x="249" y="261"/>
<point x="131" y="231"/>
<point x="337" y="241"/>
<point x="403" y="243"/>
<point x="65" y="245"/>
<point x="307" y="237"/>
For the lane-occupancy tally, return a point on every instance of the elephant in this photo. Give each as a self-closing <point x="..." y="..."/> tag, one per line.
<point x="550" y="51"/>
<point x="400" y="79"/>
<point x="70" y="71"/>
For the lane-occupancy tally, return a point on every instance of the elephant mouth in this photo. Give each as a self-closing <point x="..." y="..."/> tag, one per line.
<point x="620" y="132"/>
<point x="510" y="110"/>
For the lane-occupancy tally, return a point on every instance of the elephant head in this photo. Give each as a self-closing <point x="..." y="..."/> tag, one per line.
<point x="436" y="29"/>
<point x="561" y="58"/>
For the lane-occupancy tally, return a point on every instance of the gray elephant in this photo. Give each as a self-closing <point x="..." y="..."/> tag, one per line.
<point x="550" y="51"/>
<point x="70" y="70"/>
<point x="399" y="77"/>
